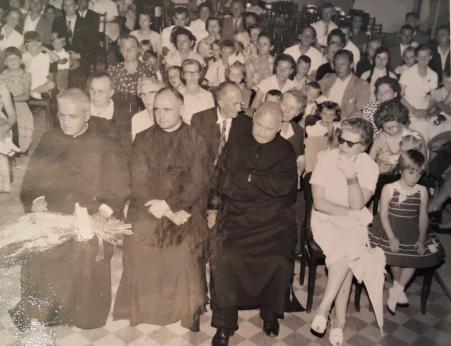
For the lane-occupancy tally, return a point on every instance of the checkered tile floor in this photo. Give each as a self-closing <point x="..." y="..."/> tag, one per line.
<point x="408" y="327"/>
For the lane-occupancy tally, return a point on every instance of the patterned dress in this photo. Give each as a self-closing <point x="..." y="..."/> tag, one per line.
<point x="403" y="215"/>
<point x="258" y="68"/>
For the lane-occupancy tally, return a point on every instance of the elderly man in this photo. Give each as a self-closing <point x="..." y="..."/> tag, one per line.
<point x="147" y="89"/>
<point x="162" y="279"/>
<point x="71" y="284"/>
<point x="256" y="229"/>
<point x="344" y="88"/>
<point x="36" y="21"/>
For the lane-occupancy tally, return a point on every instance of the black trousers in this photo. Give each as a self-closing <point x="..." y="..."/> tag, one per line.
<point x="228" y="317"/>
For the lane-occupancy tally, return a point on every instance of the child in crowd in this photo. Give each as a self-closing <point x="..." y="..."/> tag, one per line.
<point x="237" y="73"/>
<point x="312" y="91"/>
<point x="217" y="68"/>
<point x="325" y="121"/>
<point x="173" y="77"/>
<point x="408" y="57"/>
<point x="400" y="228"/>
<point x="273" y="95"/>
<point x="37" y="59"/>
<point x="302" y="70"/>
<point x="62" y="75"/>
<point x="150" y="58"/>
<point x="254" y="33"/>
<point x="19" y="84"/>
<point x="393" y="119"/>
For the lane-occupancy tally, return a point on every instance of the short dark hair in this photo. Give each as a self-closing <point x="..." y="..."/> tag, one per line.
<point x="273" y="92"/>
<point x="309" y="27"/>
<point x="203" y="4"/>
<point x="304" y="58"/>
<point x="345" y="25"/>
<point x="31" y="36"/>
<point x="329" y="105"/>
<point x="182" y="31"/>
<point x="314" y="85"/>
<point x="409" y="158"/>
<point x="407" y="27"/>
<point x="392" y="110"/>
<point x="98" y="75"/>
<point x="344" y="52"/>
<point x="284" y="57"/>
<point x="213" y="19"/>
<point x="180" y="10"/>
<point x="12" y="51"/>
<point x="336" y="32"/>
<point x="412" y="14"/>
<point x="267" y="35"/>
<point x="391" y="82"/>
<point x="423" y="47"/>
<point x="227" y="43"/>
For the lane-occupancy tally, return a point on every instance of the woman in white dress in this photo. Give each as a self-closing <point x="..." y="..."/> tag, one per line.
<point x="343" y="181"/>
<point x="9" y="36"/>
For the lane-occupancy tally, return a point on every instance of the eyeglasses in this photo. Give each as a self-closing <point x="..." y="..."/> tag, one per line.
<point x="350" y="144"/>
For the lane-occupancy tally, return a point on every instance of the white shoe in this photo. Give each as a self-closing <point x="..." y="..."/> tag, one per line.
<point x="394" y="293"/>
<point x="336" y="337"/>
<point x="319" y="325"/>
<point x="403" y="300"/>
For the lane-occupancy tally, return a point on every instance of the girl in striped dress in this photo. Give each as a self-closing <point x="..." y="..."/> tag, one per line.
<point x="400" y="228"/>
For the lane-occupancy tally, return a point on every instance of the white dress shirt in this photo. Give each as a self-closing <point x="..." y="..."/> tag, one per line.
<point x="15" y="39"/>
<point x="314" y="54"/>
<point x="337" y="90"/>
<point x="30" y="24"/>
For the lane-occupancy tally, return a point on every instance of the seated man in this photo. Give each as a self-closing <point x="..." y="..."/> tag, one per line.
<point x="344" y="88"/>
<point x="256" y="229"/>
<point x="71" y="284"/>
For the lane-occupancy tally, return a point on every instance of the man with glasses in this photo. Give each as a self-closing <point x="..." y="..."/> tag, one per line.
<point x="344" y="88"/>
<point x="71" y="284"/>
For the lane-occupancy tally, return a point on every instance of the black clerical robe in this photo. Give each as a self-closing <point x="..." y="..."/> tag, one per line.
<point x="67" y="284"/>
<point x="256" y="226"/>
<point x="162" y="282"/>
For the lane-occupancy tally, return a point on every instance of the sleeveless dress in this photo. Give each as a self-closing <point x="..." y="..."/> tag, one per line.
<point x="403" y="214"/>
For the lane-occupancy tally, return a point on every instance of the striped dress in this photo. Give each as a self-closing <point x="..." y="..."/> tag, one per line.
<point x="403" y="214"/>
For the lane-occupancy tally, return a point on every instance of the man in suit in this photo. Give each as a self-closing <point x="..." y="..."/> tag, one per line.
<point x="72" y="27"/>
<point x="35" y="20"/>
<point x="90" y="20"/>
<point x="440" y="62"/>
<point x="419" y="37"/>
<point x="235" y="23"/>
<point x="401" y="42"/>
<point x="344" y="88"/>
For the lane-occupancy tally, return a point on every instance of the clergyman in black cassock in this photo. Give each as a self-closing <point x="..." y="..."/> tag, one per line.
<point x="256" y="225"/>
<point x="71" y="283"/>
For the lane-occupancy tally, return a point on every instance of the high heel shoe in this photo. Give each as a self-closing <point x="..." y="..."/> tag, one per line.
<point x="336" y="336"/>
<point x="319" y="325"/>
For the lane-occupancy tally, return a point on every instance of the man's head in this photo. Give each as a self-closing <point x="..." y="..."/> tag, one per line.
<point x="267" y="122"/>
<point x="204" y="11"/>
<point x="308" y="36"/>
<point x="129" y="48"/>
<point x="32" y="42"/>
<point x="346" y="29"/>
<point x="36" y="6"/>
<point x="406" y="34"/>
<point x="101" y="89"/>
<point x="73" y="111"/>
<point x="82" y="5"/>
<point x="373" y="45"/>
<point x="337" y="36"/>
<point x="412" y="19"/>
<point x="423" y="55"/>
<point x="332" y="48"/>
<point x="147" y="89"/>
<point x="230" y="99"/>
<point x="442" y="35"/>
<point x="180" y="16"/>
<point x="213" y="25"/>
<point x="327" y="12"/>
<point x="69" y="7"/>
<point x="167" y="109"/>
<point x="343" y="63"/>
<point x="237" y="8"/>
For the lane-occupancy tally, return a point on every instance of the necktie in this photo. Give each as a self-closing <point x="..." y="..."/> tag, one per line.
<point x="69" y="29"/>
<point x="327" y="30"/>
<point x="222" y="140"/>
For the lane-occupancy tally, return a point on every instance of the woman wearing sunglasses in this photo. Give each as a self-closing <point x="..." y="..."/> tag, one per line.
<point x="343" y="182"/>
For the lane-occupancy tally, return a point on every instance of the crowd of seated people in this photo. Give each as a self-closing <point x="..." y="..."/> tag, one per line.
<point x="361" y="114"/>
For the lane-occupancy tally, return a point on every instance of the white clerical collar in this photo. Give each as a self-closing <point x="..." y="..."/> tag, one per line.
<point x="82" y="132"/>
<point x="106" y="113"/>
<point x="175" y="128"/>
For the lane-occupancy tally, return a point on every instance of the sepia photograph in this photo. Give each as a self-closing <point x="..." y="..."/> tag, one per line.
<point x="225" y="172"/>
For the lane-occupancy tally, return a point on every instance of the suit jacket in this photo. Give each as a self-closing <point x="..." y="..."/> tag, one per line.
<point x="79" y="41"/>
<point x="228" y="29"/>
<point x="395" y="54"/>
<point x="205" y="124"/>
<point x="421" y="37"/>
<point x="356" y="95"/>
<point x="44" y="28"/>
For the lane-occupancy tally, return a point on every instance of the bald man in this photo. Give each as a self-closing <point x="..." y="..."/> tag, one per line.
<point x="256" y="226"/>
<point x="162" y="282"/>
<point x="71" y="284"/>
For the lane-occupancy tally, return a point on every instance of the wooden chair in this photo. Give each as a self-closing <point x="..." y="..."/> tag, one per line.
<point x="47" y="103"/>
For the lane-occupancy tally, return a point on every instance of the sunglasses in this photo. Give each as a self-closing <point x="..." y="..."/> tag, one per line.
<point x="350" y="144"/>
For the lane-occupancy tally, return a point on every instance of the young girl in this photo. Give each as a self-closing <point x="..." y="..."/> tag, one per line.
<point x="62" y="75"/>
<point x="380" y="68"/>
<point x="302" y="70"/>
<point x="19" y="84"/>
<point x="324" y="121"/>
<point x="237" y="73"/>
<point x="312" y="92"/>
<point x="393" y="119"/>
<point x="400" y="228"/>
<point x="173" y="77"/>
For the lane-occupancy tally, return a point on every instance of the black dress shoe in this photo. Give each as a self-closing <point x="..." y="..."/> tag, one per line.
<point x="222" y="337"/>
<point x="271" y="328"/>
<point x="195" y="327"/>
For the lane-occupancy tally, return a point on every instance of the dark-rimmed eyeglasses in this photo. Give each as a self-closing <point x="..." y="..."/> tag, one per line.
<point x="350" y="144"/>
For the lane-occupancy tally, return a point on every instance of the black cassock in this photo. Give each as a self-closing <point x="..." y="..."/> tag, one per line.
<point x="67" y="284"/>
<point x="256" y="227"/>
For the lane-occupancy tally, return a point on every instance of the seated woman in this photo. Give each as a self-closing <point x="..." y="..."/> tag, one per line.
<point x="380" y="68"/>
<point x="343" y="182"/>
<point x="385" y="89"/>
<point x="184" y="41"/>
<point x="400" y="228"/>
<point x="283" y="68"/>
<point x="237" y="73"/>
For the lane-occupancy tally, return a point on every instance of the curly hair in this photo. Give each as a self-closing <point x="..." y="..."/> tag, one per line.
<point x="392" y="110"/>
<point x="358" y="125"/>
